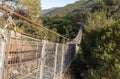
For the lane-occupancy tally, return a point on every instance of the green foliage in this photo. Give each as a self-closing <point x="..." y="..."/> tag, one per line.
<point x="100" y="57"/>
<point x="63" y="25"/>
<point x="33" y="7"/>
<point x="31" y="12"/>
<point x="110" y="7"/>
<point x="98" y="6"/>
<point x="96" y="20"/>
<point x="25" y="27"/>
<point x="2" y="20"/>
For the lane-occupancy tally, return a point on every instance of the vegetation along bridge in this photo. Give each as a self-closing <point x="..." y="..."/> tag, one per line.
<point x="25" y="57"/>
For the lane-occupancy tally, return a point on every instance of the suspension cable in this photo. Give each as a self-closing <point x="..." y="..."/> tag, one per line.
<point x="31" y="21"/>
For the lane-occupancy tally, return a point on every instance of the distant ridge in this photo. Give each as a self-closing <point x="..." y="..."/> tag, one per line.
<point x="70" y="8"/>
<point x="46" y="12"/>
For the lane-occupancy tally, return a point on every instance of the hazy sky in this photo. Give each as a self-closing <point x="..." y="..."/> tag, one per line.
<point x="55" y="3"/>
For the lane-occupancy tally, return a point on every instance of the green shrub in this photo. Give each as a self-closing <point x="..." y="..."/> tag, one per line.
<point x="100" y="57"/>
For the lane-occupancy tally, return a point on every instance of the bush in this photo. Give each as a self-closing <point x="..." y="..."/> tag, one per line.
<point x="100" y="57"/>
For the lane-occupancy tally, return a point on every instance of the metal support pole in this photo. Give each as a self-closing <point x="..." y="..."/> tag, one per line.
<point x="42" y="59"/>
<point x="76" y="48"/>
<point x="37" y="59"/>
<point x="2" y="51"/>
<point x="6" y="56"/>
<point x="22" y="57"/>
<point x="37" y="43"/>
<point x="62" y="59"/>
<point x="55" y="62"/>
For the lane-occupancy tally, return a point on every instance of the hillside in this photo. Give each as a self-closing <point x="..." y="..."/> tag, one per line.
<point x="46" y="12"/>
<point x="70" y="8"/>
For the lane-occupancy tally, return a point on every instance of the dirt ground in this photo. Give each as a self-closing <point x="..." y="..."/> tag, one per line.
<point x="68" y="75"/>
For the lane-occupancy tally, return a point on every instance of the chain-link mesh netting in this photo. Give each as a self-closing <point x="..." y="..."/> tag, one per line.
<point x="30" y="58"/>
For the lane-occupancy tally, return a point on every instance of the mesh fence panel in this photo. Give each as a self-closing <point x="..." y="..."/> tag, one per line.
<point x="30" y="58"/>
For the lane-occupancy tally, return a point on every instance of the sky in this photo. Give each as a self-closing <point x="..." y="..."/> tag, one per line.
<point x="46" y="4"/>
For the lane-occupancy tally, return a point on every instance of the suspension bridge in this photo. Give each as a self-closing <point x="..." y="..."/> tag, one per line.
<point x="26" y="57"/>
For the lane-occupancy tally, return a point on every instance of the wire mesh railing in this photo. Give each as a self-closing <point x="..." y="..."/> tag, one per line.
<point x="25" y="57"/>
<point x="30" y="58"/>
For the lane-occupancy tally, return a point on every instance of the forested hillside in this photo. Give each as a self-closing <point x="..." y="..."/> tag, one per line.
<point x="46" y="12"/>
<point x="70" y="8"/>
<point x="99" y="53"/>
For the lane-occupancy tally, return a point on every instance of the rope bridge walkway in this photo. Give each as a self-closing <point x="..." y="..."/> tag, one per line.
<point x="25" y="57"/>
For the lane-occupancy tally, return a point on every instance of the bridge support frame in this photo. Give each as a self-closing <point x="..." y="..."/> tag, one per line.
<point x="3" y="43"/>
<point x="62" y="60"/>
<point x="42" y="59"/>
<point x="55" y="62"/>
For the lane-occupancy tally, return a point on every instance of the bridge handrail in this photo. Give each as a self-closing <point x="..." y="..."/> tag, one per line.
<point x="31" y="21"/>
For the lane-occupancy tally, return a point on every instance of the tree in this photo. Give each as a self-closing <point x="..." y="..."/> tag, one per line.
<point x="99" y="57"/>
<point x="33" y="7"/>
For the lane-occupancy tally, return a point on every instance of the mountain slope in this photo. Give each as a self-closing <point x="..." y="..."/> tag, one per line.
<point x="70" y="8"/>
<point x="46" y="12"/>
